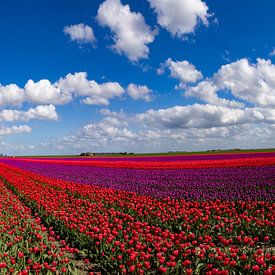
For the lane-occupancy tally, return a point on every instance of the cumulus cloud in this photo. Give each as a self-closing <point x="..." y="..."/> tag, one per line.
<point x="81" y="33"/>
<point x="119" y="115"/>
<point x="67" y="88"/>
<point x="139" y="92"/>
<point x="44" y="92"/>
<point x="130" y="32"/>
<point x="103" y="92"/>
<point x="94" y="93"/>
<point x="207" y="91"/>
<point x="46" y="112"/>
<point x="4" y="131"/>
<point x="76" y="83"/>
<point x="61" y="92"/>
<point x="252" y="83"/>
<point x="180" y="17"/>
<point x="184" y="71"/>
<point x="11" y="95"/>
<point x="203" y="116"/>
<point x="108" y="131"/>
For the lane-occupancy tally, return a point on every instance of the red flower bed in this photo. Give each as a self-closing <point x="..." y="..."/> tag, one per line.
<point x="253" y="161"/>
<point x="27" y="245"/>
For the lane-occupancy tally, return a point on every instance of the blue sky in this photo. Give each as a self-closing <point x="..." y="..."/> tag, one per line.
<point x="136" y="75"/>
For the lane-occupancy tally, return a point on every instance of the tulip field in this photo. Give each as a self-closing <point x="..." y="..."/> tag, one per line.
<point x="197" y="214"/>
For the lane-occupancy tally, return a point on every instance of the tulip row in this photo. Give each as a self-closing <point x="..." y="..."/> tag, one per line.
<point x="156" y="164"/>
<point x="27" y="246"/>
<point x="137" y="234"/>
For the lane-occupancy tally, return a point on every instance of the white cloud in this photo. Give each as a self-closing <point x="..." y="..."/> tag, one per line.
<point x="4" y="131"/>
<point x="207" y="91"/>
<point x="180" y="17"/>
<point x="71" y="86"/>
<point x="105" y="90"/>
<point x="203" y="116"/>
<point x="244" y="82"/>
<point x="119" y="115"/>
<point x="130" y="32"/>
<point x="81" y="33"/>
<point x="181" y="70"/>
<point x="109" y="133"/>
<point x="254" y="83"/>
<point x="43" y="92"/>
<point x="139" y="92"/>
<point x="76" y="83"/>
<point x="61" y="92"/>
<point x="46" y="112"/>
<point x="95" y="101"/>
<point x="11" y="95"/>
<point x="96" y="94"/>
<point x="110" y="129"/>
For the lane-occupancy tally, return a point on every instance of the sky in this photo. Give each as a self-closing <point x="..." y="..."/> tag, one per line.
<point x="136" y="76"/>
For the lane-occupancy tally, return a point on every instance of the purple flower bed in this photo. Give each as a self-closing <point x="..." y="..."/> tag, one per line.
<point x="212" y="183"/>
